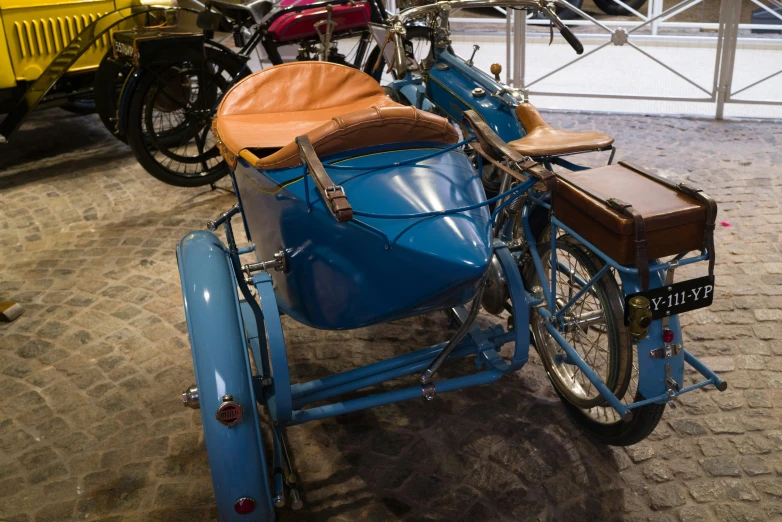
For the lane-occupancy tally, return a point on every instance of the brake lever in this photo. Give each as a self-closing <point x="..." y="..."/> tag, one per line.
<point x="564" y="30"/>
<point x="551" y="31"/>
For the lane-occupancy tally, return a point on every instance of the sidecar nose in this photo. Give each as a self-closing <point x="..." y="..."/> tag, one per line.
<point x="454" y="247"/>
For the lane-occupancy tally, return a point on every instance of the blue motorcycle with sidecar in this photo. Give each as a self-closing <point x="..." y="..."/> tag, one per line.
<point x="360" y="210"/>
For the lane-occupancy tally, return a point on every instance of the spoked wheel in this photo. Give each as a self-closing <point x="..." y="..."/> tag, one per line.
<point x="169" y="125"/>
<point x="110" y="79"/>
<point x="594" y="327"/>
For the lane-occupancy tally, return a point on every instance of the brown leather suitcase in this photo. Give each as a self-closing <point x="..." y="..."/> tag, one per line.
<point x="633" y="216"/>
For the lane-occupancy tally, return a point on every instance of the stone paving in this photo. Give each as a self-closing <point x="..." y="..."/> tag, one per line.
<point x="91" y="426"/>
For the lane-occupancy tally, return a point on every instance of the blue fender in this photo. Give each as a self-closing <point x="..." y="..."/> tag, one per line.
<point x="651" y="372"/>
<point x="222" y="367"/>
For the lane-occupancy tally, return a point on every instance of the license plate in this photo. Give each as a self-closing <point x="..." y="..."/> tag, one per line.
<point x="679" y="297"/>
<point x="124" y="49"/>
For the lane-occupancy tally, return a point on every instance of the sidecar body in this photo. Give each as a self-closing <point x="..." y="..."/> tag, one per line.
<point x="417" y="238"/>
<point x="374" y="268"/>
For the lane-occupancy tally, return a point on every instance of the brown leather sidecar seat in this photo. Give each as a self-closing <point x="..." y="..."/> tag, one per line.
<point x="270" y="108"/>
<point x="544" y="140"/>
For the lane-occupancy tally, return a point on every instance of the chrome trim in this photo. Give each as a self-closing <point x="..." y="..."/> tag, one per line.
<point x="190" y="398"/>
<point x="665" y="352"/>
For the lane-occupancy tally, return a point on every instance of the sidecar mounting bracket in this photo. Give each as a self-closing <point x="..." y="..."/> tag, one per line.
<point x="428" y="391"/>
<point x="426" y="376"/>
<point x="223" y="218"/>
<point x="279" y="263"/>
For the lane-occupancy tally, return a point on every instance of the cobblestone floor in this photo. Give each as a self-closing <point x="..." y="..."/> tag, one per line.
<point x="91" y="426"/>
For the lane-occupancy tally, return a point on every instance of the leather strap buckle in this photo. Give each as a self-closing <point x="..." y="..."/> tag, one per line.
<point x="333" y="194"/>
<point x="489" y="145"/>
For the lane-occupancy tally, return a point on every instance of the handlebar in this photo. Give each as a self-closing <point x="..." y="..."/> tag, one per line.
<point x="565" y="31"/>
<point x="444" y="7"/>
<point x="399" y="52"/>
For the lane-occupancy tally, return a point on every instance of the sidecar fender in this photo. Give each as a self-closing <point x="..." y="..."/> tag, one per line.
<point x="222" y="367"/>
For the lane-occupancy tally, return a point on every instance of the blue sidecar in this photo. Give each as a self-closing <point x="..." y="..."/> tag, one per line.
<point x="373" y="215"/>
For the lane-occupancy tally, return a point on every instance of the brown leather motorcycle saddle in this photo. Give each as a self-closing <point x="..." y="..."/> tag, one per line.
<point x="339" y="108"/>
<point x="544" y="140"/>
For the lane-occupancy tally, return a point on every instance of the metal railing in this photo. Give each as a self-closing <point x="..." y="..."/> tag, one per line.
<point x="655" y="25"/>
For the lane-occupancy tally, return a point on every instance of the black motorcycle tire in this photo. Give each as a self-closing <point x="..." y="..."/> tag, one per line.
<point x="644" y="419"/>
<point x="612" y="8"/>
<point x="144" y="151"/>
<point x="566" y="14"/>
<point x="80" y="107"/>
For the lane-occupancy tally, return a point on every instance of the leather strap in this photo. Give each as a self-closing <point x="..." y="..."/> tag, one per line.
<point x="333" y="195"/>
<point x="711" y="219"/>
<point x="504" y="168"/>
<point x="696" y="194"/>
<point x="494" y="149"/>
<point x="641" y="257"/>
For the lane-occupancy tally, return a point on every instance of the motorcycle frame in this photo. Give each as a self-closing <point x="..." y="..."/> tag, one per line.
<point x="449" y="84"/>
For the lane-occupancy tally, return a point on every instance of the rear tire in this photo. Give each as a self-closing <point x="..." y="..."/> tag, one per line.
<point x="585" y="407"/>
<point x="566" y="14"/>
<point x="109" y="80"/>
<point x="80" y="107"/>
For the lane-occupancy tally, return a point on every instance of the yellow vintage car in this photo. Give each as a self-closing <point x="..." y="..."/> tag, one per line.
<point x="39" y="38"/>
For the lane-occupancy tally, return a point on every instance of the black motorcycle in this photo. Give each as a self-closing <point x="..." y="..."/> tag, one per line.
<point x="164" y="84"/>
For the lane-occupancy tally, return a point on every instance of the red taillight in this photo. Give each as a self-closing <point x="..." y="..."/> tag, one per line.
<point x="244" y="506"/>
<point x="667" y="336"/>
